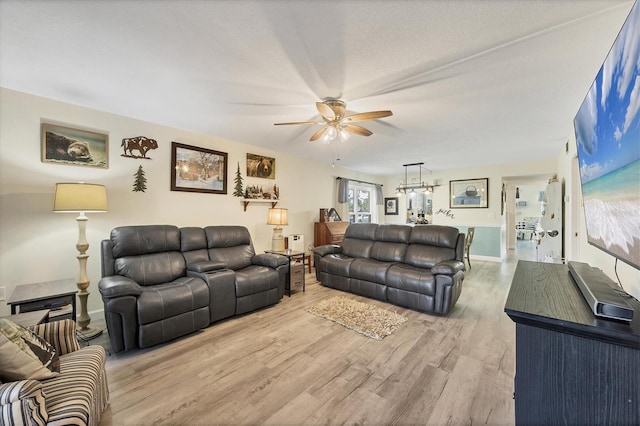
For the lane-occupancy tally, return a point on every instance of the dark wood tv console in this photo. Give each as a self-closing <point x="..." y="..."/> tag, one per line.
<point x="571" y="368"/>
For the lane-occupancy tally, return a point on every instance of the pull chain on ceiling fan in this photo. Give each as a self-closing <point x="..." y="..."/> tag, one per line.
<point x="336" y="123"/>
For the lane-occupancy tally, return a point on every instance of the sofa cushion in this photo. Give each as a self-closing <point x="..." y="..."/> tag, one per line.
<point x="193" y="245"/>
<point x="431" y="244"/>
<point x="411" y="278"/>
<point x="369" y="270"/>
<point x="231" y="245"/>
<point x="79" y="394"/>
<point x="167" y="300"/>
<point x="336" y="264"/>
<point x="358" y="239"/>
<point x="24" y="354"/>
<point x="391" y="243"/>
<point x="435" y="235"/>
<point x="151" y="269"/>
<point x="255" y="279"/>
<point x="138" y="240"/>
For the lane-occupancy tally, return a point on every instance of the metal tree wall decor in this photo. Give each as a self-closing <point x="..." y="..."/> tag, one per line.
<point x="140" y="182"/>
<point x="237" y="190"/>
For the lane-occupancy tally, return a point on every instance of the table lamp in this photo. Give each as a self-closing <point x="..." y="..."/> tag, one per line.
<point x="277" y="217"/>
<point x="81" y="198"/>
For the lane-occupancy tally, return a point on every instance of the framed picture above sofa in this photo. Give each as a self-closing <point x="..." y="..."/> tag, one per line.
<point x="469" y="193"/>
<point x="195" y="169"/>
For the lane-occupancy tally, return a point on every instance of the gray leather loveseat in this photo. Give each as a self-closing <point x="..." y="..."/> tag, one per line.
<point x="160" y="282"/>
<point x="418" y="267"/>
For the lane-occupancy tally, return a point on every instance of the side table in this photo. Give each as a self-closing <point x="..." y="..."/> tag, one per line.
<point x="57" y="296"/>
<point x="295" y="275"/>
<point x="29" y="319"/>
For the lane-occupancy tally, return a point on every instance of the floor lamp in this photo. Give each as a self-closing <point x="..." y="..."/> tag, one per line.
<point x="81" y="198"/>
<point x="277" y="217"/>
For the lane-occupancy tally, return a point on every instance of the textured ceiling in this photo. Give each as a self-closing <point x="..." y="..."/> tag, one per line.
<point x="469" y="82"/>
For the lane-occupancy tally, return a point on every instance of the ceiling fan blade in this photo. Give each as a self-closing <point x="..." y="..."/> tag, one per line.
<point x="326" y="111"/>
<point x="359" y="130"/>
<point x="372" y="115"/>
<point x="294" y="123"/>
<point x="317" y="135"/>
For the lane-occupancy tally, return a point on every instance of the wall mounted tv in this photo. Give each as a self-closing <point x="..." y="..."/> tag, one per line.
<point x="607" y="129"/>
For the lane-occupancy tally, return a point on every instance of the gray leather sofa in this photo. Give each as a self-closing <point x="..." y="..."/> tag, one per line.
<point x="160" y="282"/>
<point x="418" y="267"/>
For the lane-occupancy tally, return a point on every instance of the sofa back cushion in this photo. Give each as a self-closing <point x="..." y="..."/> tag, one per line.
<point x="431" y="244"/>
<point x="391" y="243"/>
<point x="147" y="254"/>
<point x="193" y="245"/>
<point x="358" y="239"/>
<point x="231" y="245"/>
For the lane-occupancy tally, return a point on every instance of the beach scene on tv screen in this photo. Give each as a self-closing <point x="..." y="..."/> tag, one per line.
<point x="608" y="140"/>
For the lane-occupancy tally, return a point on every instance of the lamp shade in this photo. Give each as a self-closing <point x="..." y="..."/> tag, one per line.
<point x="80" y="197"/>
<point x="277" y="217"/>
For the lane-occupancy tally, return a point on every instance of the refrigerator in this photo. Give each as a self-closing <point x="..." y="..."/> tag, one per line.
<point x="550" y="232"/>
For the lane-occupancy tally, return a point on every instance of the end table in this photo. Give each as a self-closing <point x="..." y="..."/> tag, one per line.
<point x="295" y="275"/>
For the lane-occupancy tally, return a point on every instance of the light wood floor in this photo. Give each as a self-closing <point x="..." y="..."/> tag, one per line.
<point x="282" y="365"/>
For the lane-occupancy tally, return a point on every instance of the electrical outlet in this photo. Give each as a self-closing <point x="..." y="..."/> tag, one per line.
<point x="2" y="293"/>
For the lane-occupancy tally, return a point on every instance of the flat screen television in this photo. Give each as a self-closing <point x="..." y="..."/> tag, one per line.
<point x="607" y="128"/>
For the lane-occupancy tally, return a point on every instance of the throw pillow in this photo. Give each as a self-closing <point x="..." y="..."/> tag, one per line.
<point x="25" y="355"/>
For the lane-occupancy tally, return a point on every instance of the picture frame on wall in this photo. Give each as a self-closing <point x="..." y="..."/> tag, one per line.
<point x="73" y="146"/>
<point x="261" y="166"/>
<point x="469" y="193"/>
<point x="390" y="206"/>
<point x="195" y="169"/>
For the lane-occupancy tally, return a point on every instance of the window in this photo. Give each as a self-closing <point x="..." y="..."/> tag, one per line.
<point x="362" y="204"/>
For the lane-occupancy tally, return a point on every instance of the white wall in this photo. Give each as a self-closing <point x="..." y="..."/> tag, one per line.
<point x="629" y="276"/>
<point x="37" y="245"/>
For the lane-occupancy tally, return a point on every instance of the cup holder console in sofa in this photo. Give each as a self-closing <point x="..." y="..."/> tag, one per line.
<point x="419" y="267"/>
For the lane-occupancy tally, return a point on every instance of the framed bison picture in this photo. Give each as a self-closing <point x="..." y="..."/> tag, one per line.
<point x="77" y="147"/>
<point x="195" y="169"/>
<point x="261" y="167"/>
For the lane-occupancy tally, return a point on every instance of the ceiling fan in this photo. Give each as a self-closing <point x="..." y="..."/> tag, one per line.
<point x="336" y="123"/>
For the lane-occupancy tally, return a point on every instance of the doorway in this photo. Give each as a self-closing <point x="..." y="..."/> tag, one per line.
<point x="524" y="197"/>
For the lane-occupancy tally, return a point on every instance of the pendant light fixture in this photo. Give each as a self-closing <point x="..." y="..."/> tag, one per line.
<point x="413" y="187"/>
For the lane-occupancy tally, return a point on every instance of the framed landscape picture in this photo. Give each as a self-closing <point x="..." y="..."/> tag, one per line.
<point x="469" y="193"/>
<point x="76" y="147"/>
<point x="195" y="169"/>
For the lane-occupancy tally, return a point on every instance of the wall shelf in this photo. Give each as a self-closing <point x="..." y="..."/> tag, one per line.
<point x="246" y="201"/>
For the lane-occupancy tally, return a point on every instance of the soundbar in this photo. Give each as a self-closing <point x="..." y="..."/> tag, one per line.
<point x="600" y="292"/>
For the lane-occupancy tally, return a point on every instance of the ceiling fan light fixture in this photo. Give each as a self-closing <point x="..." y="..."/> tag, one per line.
<point x="331" y="132"/>
<point x="344" y="135"/>
<point x="337" y="124"/>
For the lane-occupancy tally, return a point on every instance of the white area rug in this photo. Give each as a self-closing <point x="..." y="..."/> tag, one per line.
<point x="363" y="318"/>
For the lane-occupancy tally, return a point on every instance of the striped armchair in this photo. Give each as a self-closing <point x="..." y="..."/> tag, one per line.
<point x="77" y="396"/>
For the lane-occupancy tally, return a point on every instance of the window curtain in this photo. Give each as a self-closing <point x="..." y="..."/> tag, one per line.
<point x="342" y="198"/>
<point x="379" y="197"/>
<point x="343" y="190"/>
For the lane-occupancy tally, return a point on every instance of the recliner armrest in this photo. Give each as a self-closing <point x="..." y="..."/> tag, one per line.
<point x="206" y="266"/>
<point x="327" y="249"/>
<point x="117" y="286"/>
<point x="269" y="259"/>
<point x="447" y="267"/>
